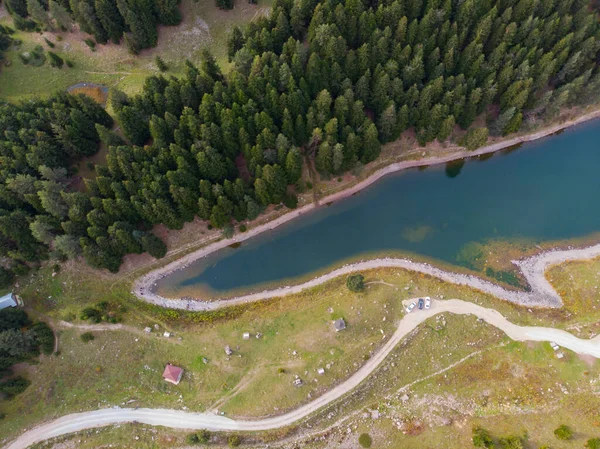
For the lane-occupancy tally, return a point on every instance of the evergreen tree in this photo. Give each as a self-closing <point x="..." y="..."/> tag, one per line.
<point x="224" y="4"/>
<point x="235" y="42"/>
<point x="167" y="12"/>
<point x="110" y="18"/>
<point x="60" y="15"/>
<point x="38" y="13"/>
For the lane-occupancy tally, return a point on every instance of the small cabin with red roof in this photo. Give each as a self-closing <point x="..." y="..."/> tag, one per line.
<point x="172" y="374"/>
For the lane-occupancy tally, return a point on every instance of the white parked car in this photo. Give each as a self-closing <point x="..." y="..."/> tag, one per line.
<point x="427" y="302"/>
<point x="410" y="307"/>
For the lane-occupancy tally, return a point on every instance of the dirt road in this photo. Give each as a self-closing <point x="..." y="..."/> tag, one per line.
<point x="186" y="420"/>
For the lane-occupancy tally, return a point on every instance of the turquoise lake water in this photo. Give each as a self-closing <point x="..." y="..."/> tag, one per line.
<point x="545" y="190"/>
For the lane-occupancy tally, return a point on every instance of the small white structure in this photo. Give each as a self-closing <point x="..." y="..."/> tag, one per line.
<point x="9" y="300"/>
<point x="560" y="355"/>
<point x="321" y="371"/>
<point x="147" y="330"/>
<point x="167" y="334"/>
<point x="246" y="336"/>
<point x="228" y="350"/>
<point x="258" y="335"/>
<point x="298" y="382"/>
<point x="554" y="346"/>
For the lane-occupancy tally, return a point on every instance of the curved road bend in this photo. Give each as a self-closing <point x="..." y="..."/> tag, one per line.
<point x="187" y="420"/>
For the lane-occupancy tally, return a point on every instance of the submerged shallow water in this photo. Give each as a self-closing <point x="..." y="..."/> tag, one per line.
<point x="545" y="190"/>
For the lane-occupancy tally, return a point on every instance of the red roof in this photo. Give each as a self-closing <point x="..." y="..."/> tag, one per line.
<point x="172" y="373"/>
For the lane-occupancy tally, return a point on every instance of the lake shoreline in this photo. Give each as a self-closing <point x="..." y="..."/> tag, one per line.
<point x="144" y="286"/>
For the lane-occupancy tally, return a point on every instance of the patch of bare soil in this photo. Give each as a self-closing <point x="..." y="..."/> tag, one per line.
<point x="587" y="359"/>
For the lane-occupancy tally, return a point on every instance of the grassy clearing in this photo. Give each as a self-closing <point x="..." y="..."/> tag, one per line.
<point x="94" y="374"/>
<point x="497" y="383"/>
<point x="507" y="390"/>
<point x="203" y="26"/>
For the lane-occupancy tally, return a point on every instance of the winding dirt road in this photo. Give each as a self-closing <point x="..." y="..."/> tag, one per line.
<point x="186" y="420"/>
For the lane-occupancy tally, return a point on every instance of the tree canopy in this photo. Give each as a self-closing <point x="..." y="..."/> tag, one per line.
<point x="103" y="19"/>
<point x="333" y="80"/>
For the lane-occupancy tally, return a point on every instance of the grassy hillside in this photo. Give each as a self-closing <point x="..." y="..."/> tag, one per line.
<point x="203" y="26"/>
<point x="84" y="375"/>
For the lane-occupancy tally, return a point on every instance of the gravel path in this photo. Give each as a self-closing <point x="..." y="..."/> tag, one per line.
<point x="186" y="420"/>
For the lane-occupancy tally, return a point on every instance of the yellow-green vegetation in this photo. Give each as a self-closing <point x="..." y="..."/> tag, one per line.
<point x="203" y="26"/>
<point x="578" y="284"/>
<point x="509" y="389"/>
<point x="297" y="339"/>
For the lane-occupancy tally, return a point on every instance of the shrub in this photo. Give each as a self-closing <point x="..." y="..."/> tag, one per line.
<point x="243" y="228"/>
<point x="475" y="138"/>
<point x="133" y="47"/>
<point x="234" y="441"/>
<point x="6" y="277"/>
<point x="192" y="439"/>
<point x="55" y="60"/>
<point x="355" y="282"/>
<point x="13" y="318"/>
<point x="482" y="438"/>
<point x="20" y="268"/>
<point x="87" y="337"/>
<point x="309" y="185"/>
<point x="162" y="66"/>
<point x="44" y="337"/>
<point x="563" y="432"/>
<point x="13" y="387"/>
<point x="203" y="436"/>
<point x="24" y="58"/>
<point x="49" y="43"/>
<point x="224" y="4"/>
<point x="365" y="440"/>
<point x="91" y="314"/>
<point x="290" y="201"/>
<point x="593" y="443"/>
<point x="90" y="43"/>
<point x="36" y="57"/>
<point x="69" y="63"/>
<point x="512" y="442"/>
<point x="228" y="231"/>
<point x="23" y="24"/>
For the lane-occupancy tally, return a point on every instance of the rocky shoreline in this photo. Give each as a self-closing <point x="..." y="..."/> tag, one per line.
<point x="543" y="295"/>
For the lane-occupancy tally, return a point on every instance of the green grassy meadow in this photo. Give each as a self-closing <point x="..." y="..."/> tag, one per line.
<point x="203" y="26"/>
<point x="91" y="375"/>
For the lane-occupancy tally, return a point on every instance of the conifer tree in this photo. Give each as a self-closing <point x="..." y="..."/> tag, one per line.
<point x="110" y="18"/>
<point x="60" y="15"/>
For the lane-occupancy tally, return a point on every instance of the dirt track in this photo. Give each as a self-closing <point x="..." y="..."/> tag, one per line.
<point x="187" y="420"/>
